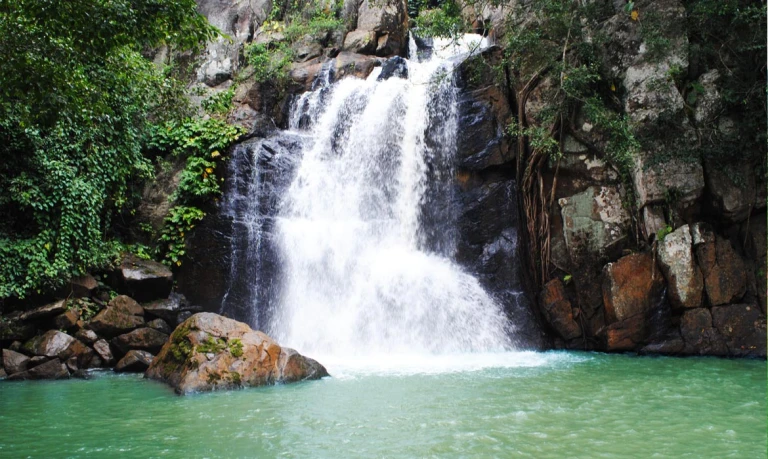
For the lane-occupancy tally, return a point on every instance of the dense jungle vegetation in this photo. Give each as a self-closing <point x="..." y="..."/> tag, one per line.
<point x="84" y="113"/>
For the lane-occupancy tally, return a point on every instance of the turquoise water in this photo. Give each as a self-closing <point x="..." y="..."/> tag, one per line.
<point x="510" y="405"/>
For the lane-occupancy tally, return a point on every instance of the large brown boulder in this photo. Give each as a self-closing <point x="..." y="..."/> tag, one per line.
<point x="83" y="286"/>
<point x="66" y="320"/>
<point x="684" y="279"/>
<point x="743" y="328"/>
<point x="558" y="311"/>
<point x="632" y="288"/>
<point x="725" y="276"/>
<point x="142" y="339"/>
<point x="209" y="352"/>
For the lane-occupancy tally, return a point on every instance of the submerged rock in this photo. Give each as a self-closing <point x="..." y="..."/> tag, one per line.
<point x="209" y="352"/>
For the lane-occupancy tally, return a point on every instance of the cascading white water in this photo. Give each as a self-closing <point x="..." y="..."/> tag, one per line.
<point x="357" y="276"/>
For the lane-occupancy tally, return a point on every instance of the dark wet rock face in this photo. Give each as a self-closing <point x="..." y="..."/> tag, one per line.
<point x="395" y="67"/>
<point x="233" y="263"/>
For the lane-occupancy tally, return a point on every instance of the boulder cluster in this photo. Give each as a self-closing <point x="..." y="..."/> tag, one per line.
<point x="90" y="330"/>
<point x="70" y="337"/>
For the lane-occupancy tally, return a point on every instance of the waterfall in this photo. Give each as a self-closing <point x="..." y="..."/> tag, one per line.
<point x="364" y="232"/>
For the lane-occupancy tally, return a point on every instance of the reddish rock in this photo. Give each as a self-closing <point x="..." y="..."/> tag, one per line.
<point x="87" y="336"/>
<point x="725" y="276"/>
<point x="50" y="344"/>
<point x="743" y="328"/>
<point x="700" y="337"/>
<point x="632" y="286"/>
<point x="558" y="311"/>
<point x="355" y="65"/>
<point x="80" y="352"/>
<point x="626" y="335"/>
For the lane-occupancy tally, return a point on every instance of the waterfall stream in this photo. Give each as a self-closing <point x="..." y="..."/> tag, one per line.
<point x="364" y="232"/>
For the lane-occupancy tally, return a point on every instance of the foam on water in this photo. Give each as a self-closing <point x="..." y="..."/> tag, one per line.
<point x="399" y="364"/>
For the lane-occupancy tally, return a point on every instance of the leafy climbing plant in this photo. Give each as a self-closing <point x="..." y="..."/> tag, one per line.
<point x="76" y="103"/>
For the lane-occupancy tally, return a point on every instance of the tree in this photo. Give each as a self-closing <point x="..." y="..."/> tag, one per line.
<point x="76" y="102"/>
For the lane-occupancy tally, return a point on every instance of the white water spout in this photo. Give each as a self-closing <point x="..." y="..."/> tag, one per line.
<point x="358" y="278"/>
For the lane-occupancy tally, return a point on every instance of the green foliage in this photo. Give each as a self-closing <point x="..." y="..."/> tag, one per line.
<point x="85" y="306"/>
<point x="212" y="345"/>
<point x="75" y="105"/>
<point x="235" y="378"/>
<point x="663" y="232"/>
<point x="219" y="103"/>
<point x="729" y="35"/>
<point x="289" y="23"/>
<point x="180" y="221"/>
<point x="236" y="348"/>
<point x="444" y="21"/>
<point x="269" y="64"/>
<point x="200" y="141"/>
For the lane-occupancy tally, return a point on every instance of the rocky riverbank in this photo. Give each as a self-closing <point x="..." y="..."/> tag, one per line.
<point x="73" y="336"/>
